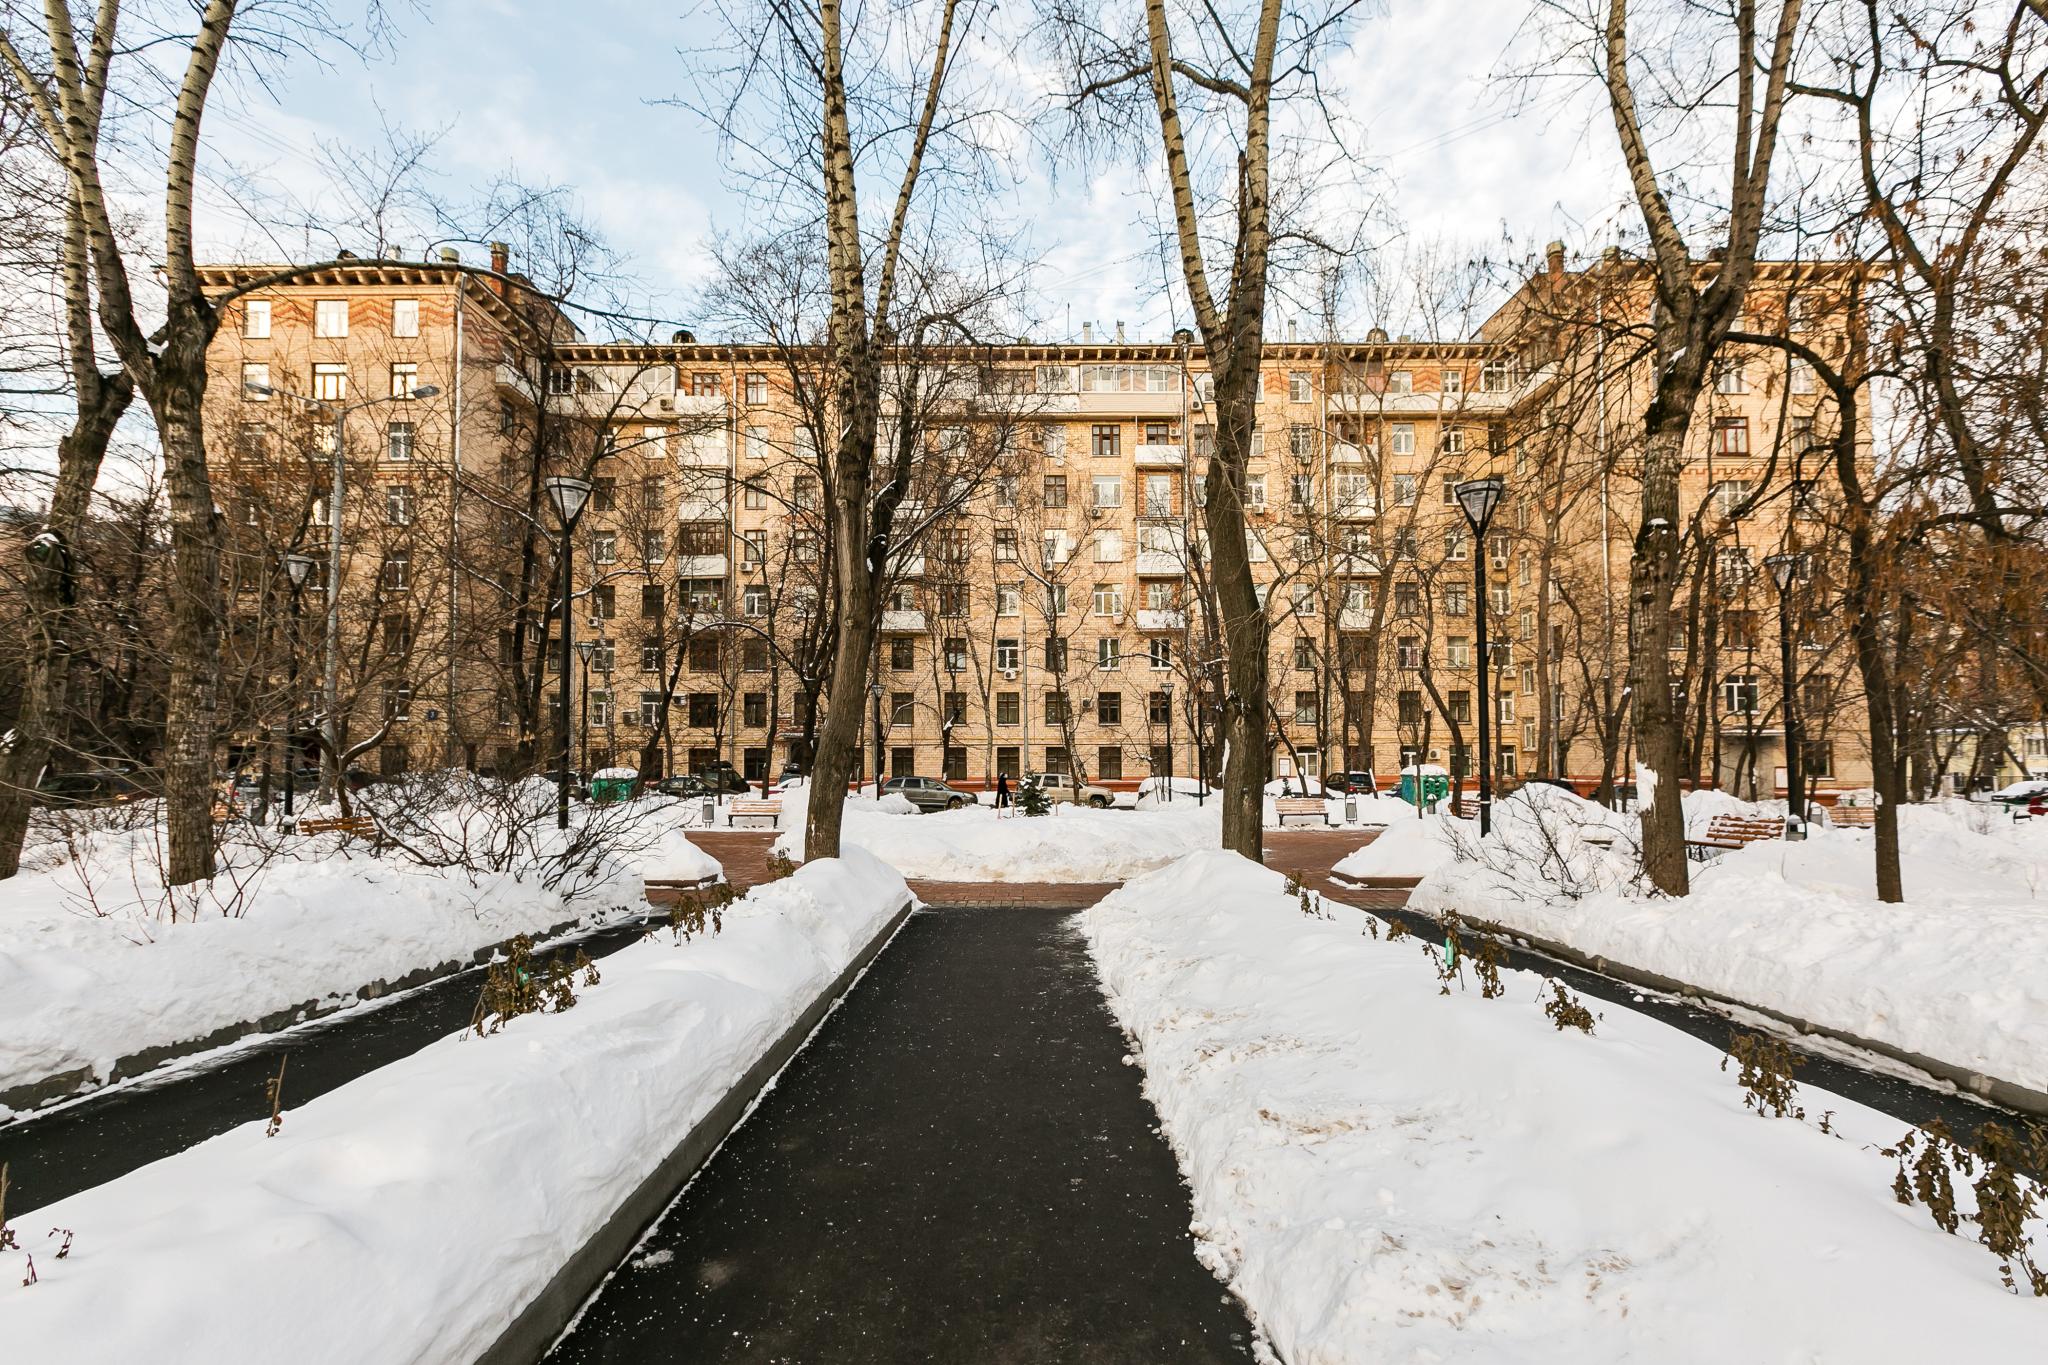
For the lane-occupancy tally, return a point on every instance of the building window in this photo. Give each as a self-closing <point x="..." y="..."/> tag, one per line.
<point x="398" y="507"/>
<point x="1006" y="545"/>
<point x="757" y="388"/>
<point x="1304" y="654"/>
<point x="1401" y="438"/>
<point x="1451" y="383"/>
<point x="1055" y="654"/>
<point x="703" y="710"/>
<point x="754" y="601"/>
<point x="1108" y="599"/>
<point x="256" y="382"/>
<point x="902" y="655"/>
<point x="1158" y="709"/>
<point x="1298" y="387"/>
<point x="956" y="654"/>
<point x="1056" y="761"/>
<point x="653" y="546"/>
<point x="902" y="708"/>
<point x="1731" y="377"/>
<point x="1109" y="652"/>
<point x="1456" y="599"/>
<point x="398" y="438"/>
<point x="1055" y="491"/>
<point x="754" y="655"/>
<point x="1497" y="376"/>
<point x="1408" y="652"/>
<point x="1404" y="490"/>
<point x="1731" y="435"/>
<point x="604" y="548"/>
<point x="1159" y="652"/>
<point x="1400" y="383"/>
<point x="650" y="656"/>
<point x="1009" y="654"/>
<point x="256" y="319"/>
<point x="1109" y="763"/>
<point x="1105" y="439"/>
<point x="405" y="317"/>
<point x="704" y="384"/>
<point x="1107" y="490"/>
<point x="1009" y="710"/>
<point x="330" y="383"/>
<point x="1303" y="598"/>
<point x="1109" y="546"/>
<point x="1739" y="693"/>
<point x="1305" y="708"/>
<point x="1109" y="708"/>
<point x="1057" y="711"/>
<point x="330" y="318"/>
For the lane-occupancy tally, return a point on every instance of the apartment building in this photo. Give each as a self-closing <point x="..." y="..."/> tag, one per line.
<point x="1047" y="607"/>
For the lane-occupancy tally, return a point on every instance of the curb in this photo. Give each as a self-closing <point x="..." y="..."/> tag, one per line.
<point x="2009" y="1094"/>
<point x="25" y="1099"/>
<point x="536" y="1328"/>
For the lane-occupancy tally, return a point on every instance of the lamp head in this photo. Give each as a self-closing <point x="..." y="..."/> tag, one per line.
<point x="425" y="391"/>
<point x="258" y="390"/>
<point x="299" y="568"/>
<point x="586" y="648"/>
<point x="1479" y="498"/>
<point x="568" y="494"/>
<point x="1785" y="568"/>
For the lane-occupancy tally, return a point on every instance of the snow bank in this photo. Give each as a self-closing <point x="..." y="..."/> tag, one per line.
<point x="675" y="859"/>
<point x="93" y="971"/>
<point x="1958" y="973"/>
<point x="1405" y="848"/>
<point x="1382" y="1173"/>
<point x="410" y="1214"/>
<point x="1073" y="844"/>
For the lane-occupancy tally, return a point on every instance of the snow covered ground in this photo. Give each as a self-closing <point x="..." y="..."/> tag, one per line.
<point x="409" y="1215"/>
<point x="1073" y="844"/>
<point x="1383" y="1173"/>
<point x="1414" y="847"/>
<point x="1959" y="972"/>
<point x="94" y="968"/>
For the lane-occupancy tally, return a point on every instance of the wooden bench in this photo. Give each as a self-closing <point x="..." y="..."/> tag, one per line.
<point x="1301" y="808"/>
<point x="1853" y="817"/>
<point x="353" y="826"/>
<point x="750" y="811"/>
<point x="1725" y="832"/>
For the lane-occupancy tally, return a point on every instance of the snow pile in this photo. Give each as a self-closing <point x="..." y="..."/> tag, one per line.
<point x="1405" y="848"/>
<point x="1382" y="1173"/>
<point x="93" y="968"/>
<point x="977" y="844"/>
<point x="673" y="858"/>
<point x="1958" y="973"/>
<point x="410" y="1214"/>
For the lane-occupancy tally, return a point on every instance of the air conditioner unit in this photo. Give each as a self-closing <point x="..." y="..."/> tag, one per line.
<point x="1009" y="675"/>
<point x="664" y="405"/>
<point x="597" y="623"/>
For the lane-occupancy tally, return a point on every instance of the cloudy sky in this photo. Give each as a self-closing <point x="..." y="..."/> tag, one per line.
<point x="574" y="94"/>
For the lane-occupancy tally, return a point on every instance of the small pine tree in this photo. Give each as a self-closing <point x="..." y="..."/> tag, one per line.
<point x="1031" y="798"/>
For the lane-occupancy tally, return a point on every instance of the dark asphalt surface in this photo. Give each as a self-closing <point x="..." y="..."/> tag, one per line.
<point x="58" y="1153"/>
<point x="958" y="1168"/>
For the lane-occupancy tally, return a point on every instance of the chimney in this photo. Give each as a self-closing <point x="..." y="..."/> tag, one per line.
<point x="501" y="257"/>
<point x="450" y="256"/>
<point x="1183" y="336"/>
<point x="1554" y="255"/>
<point x="1611" y="255"/>
<point x="1119" y="331"/>
<point x="1291" y="335"/>
<point x="1087" y="331"/>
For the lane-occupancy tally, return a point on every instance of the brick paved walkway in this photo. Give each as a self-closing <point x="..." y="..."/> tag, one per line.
<point x="1308" y="852"/>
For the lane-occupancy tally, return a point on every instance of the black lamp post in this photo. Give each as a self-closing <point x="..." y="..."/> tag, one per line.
<point x="584" y="649"/>
<point x="297" y="569"/>
<point x="1787" y="569"/>
<point x="1167" y="687"/>
<point x="875" y="696"/>
<point x="1479" y="498"/>
<point x="568" y="494"/>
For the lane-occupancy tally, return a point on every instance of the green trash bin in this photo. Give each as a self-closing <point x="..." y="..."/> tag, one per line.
<point x="1434" y="782"/>
<point x="613" y="784"/>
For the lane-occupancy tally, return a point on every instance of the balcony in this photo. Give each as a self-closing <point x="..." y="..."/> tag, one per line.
<point x="1355" y="618"/>
<point x="1160" y="564"/>
<point x="1159" y="619"/>
<point x="908" y="566"/>
<point x="702" y="566"/>
<point x="1151" y="456"/>
<point x="701" y="509"/>
<point x="1361" y="507"/>
<point x="903" y="622"/>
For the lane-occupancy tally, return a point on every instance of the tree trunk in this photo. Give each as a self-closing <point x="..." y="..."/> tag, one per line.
<point x="1653" y="572"/>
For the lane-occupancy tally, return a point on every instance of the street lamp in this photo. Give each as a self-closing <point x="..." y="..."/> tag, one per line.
<point x="1167" y="687"/>
<point x="1787" y="569"/>
<point x="297" y="569"/>
<point x="330" y="686"/>
<point x="875" y="695"/>
<point x="1479" y="498"/>
<point x="584" y="649"/>
<point x="568" y="494"/>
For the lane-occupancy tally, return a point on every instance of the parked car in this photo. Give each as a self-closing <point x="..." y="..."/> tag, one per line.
<point x="1060" y="787"/>
<point x="721" y="777"/>
<point x="686" y="785"/>
<point x="927" y="793"/>
<point x="2022" y="793"/>
<point x="89" y="787"/>
<point x="1344" y="784"/>
<point x="791" y="772"/>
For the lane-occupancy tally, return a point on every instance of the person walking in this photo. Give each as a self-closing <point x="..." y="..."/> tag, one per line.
<point x="1002" y="791"/>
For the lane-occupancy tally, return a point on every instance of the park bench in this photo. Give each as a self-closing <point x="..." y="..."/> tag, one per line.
<point x="1853" y="817"/>
<point x="750" y="811"/>
<point x="1726" y="832"/>
<point x="1301" y="808"/>
<point x="354" y="826"/>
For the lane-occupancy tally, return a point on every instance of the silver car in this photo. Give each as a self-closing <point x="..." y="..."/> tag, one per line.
<point x="927" y="793"/>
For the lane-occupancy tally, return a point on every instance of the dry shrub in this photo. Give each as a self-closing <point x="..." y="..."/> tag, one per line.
<point x="1767" y="1065"/>
<point x="2008" y="1199"/>
<point x="689" y="915"/>
<point x="1565" y="1010"/>
<point x="780" y="865"/>
<point x="516" y="986"/>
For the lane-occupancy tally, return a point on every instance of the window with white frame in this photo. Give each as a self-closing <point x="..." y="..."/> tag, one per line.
<point x="1400" y="382"/>
<point x="757" y="388"/>
<point x="1159" y="653"/>
<point x="405" y="377"/>
<point x="1304" y="599"/>
<point x="1109" y="546"/>
<point x="1299" y="389"/>
<point x="1453" y="441"/>
<point x="330" y="318"/>
<point x="1458" y="651"/>
<point x="1109" y="652"/>
<point x="1802" y="377"/>
<point x="1451" y="383"/>
<point x="405" y="317"/>
<point x="256" y="319"/>
<point x="398" y="439"/>
<point x="1009" y="599"/>
<point x="604" y="547"/>
<point x="1255" y="492"/>
<point x="1401" y="438"/>
<point x="255" y="381"/>
<point x="757" y="447"/>
<point x="1730" y="376"/>
<point x="330" y="383"/>
<point x="1107" y="490"/>
<point x="1108" y="599"/>
<point x="398" y="507"/>
<point x="754" y="600"/>
<point x="1739" y="693"/>
<point x="1009" y="653"/>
